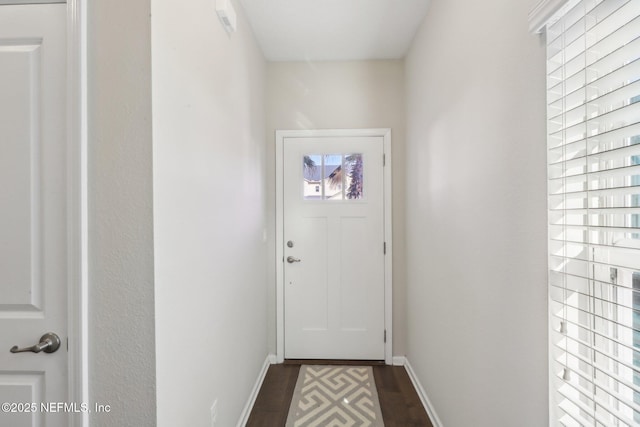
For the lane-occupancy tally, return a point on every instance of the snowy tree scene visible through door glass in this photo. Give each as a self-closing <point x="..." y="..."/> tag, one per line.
<point x="333" y="176"/>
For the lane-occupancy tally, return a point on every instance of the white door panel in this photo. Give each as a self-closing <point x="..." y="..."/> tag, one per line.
<point x="33" y="216"/>
<point x="334" y="296"/>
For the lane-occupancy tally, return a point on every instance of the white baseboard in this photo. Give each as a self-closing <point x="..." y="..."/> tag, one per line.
<point x="399" y="360"/>
<point x="422" y="394"/>
<point x="244" y="416"/>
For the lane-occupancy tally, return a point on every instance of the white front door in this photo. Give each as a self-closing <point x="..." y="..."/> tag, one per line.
<point x="333" y="211"/>
<point x="33" y="213"/>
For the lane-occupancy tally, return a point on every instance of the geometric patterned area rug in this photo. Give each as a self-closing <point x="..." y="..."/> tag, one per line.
<point x="335" y="396"/>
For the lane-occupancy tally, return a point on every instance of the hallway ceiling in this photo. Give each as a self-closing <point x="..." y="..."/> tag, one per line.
<point x="334" y="30"/>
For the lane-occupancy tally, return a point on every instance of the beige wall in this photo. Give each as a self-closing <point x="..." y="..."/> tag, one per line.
<point x="121" y="316"/>
<point x="476" y="214"/>
<point x="340" y="95"/>
<point x="209" y="213"/>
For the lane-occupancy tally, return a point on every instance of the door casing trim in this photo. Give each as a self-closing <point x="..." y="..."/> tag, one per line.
<point x="385" y="133"/>
<point x="77" y="205"/>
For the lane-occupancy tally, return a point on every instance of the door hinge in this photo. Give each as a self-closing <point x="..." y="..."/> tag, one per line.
<point x="384" y="248"/>
<point x="385" y="335"/>
<point x="384" y="160"/>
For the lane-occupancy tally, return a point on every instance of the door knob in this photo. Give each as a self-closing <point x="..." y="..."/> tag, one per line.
<point x="291" y="259"/>
<point x="49" y="343"/>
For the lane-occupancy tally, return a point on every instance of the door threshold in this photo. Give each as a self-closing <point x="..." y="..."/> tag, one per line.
<point x="333" y="362"/>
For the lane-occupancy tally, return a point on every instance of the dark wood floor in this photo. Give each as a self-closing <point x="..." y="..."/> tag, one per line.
<point x="400" y="404"/>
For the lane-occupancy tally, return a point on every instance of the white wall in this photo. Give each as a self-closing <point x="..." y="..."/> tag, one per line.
<point x="121" y="317"/>
<point x="476" y="214"/>
<point x="209" y="213"/>
<point x="341" y="95"/>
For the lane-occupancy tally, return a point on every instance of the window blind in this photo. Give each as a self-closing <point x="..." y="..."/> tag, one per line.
<point x="593" y="110"/>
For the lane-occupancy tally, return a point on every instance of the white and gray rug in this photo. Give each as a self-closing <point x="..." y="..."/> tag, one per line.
<point x="335" y="396"/>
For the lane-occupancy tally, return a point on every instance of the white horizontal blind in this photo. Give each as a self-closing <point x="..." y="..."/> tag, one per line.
<point x="593" y="84"/>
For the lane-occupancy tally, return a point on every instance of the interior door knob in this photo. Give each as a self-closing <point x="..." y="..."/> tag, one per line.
<point x="291" y="259"/>
<point x="49" y="343"/>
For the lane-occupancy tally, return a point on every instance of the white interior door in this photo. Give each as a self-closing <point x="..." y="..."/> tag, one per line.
<point x="33" y="214"/>
<point x="333" y="215"/>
